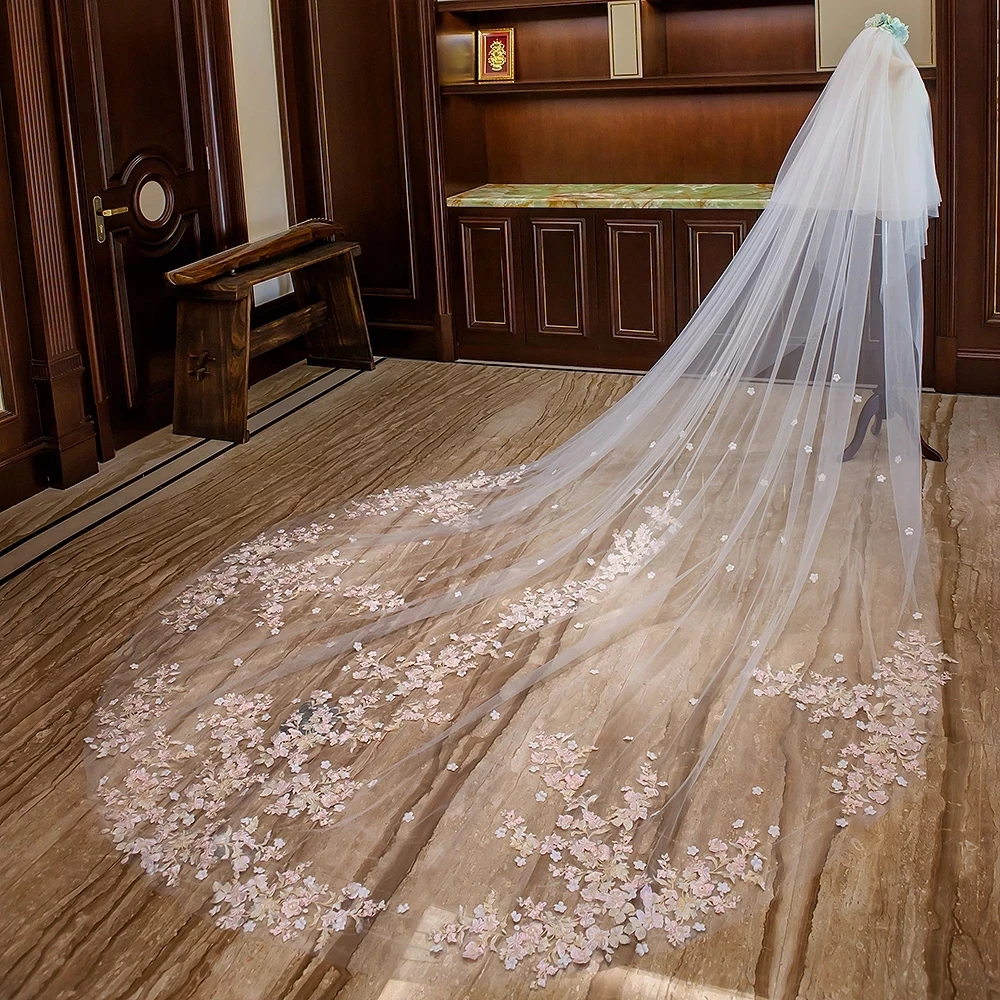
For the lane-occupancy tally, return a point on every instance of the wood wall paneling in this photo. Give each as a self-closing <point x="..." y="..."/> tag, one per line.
<point x="360" y="111"/>
<point x="969" y="358"/>
<point x="641" y="138"/>
<point x="22" y="469"/>
<point x="758" y="38"/>
<point x="368" y="162"/>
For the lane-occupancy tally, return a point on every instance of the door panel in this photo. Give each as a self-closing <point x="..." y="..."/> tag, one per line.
<point x="127" y="41"/>
<point x="144" y="155"/>
<point x="634" y="257"/>
<point x="636" y="274"/>
<point x="706" y="243"/>
<point x="560" y="287"/>
<point x="558" y="279"/>
<point x="487" y="285"/>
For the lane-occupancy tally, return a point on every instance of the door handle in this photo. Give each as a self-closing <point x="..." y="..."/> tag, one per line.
<point x="101" y="213"/>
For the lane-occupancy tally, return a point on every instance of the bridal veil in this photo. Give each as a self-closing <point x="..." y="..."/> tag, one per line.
<point x="513" y="724"/>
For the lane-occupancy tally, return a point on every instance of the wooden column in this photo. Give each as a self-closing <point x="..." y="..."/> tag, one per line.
<point x="42" y="188"/>
<point x="968" y="345"/>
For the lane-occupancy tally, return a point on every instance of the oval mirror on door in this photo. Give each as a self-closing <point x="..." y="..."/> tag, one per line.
<point x="152" y="201"/>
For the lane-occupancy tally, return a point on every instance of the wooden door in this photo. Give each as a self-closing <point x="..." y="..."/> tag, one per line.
<point x="141" y="87"/>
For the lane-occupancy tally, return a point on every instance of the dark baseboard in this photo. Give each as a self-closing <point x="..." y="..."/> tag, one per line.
<point x="978" y="373"/>
<point x="24" y="475"/>
<point x="417" y="343"/>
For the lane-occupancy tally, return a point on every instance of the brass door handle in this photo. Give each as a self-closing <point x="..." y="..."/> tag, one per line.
<point x="101" y="213"/>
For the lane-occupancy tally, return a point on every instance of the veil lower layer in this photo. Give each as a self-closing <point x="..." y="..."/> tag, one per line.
<point x="553" y="713"/>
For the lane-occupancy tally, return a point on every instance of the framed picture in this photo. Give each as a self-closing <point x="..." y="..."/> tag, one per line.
<point x="496" y="55"/>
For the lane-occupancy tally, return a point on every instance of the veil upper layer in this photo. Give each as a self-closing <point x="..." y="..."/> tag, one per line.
<point x="550" y="715"/>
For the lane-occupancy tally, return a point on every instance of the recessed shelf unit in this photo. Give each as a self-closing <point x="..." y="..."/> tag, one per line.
<point x="717" y="90"/>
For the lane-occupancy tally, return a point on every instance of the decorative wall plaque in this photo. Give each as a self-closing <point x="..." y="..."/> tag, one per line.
<point x="625" y="33"/>
<point x="496" y="55"/>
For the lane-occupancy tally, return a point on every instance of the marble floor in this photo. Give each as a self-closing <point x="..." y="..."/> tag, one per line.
<point x="31" y="530"/>
<point x="912" y="912"/>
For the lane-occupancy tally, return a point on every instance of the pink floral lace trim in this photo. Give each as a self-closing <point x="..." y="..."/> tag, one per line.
<point x="616" y="900"/>
<point x="886" y="711"/>
<point x="172" y="821"/>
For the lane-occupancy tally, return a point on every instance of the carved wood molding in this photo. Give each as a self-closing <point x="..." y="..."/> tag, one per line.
<point x="49" y="371"/>
<point x="43" y="186"/>
<point x="993" y="229"/>
<point x="43" y="175"/>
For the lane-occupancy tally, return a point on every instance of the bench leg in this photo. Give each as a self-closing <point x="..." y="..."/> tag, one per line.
<point x="342" y="341"/>
<point x="211" y="372"/>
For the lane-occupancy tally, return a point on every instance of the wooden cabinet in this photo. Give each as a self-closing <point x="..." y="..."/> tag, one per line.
<point x="606" y="289"/>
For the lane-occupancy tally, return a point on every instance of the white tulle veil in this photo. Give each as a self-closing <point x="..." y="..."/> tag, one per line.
<point x="557" y="713"/>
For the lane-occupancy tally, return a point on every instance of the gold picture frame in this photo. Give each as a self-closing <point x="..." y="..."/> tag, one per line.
<point x="496" y="55"/>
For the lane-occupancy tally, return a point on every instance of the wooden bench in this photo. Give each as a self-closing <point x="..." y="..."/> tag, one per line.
<point x="215" y="340"/>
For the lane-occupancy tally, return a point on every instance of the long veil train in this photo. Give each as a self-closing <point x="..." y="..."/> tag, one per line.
<point x="552" y="713"/>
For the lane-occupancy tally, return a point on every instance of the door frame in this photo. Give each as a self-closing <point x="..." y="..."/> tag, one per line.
<point x="228" y="207"/>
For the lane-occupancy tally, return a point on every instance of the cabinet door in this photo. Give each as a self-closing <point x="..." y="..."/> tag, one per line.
<point x="706" y="242"/>
<point x="560" y="286"/>
<point x="487" y="283"/>
<point x="635" y="266"/>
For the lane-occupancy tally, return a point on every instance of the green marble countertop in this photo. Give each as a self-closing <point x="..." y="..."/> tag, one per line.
<point x="648" y="196"/>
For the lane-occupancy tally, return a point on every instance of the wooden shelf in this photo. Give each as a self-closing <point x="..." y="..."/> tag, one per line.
<point x="677" y="84"/>
<point x="682" y="84"/>
<point x="469" y="6"/>
<point x="463" y="6"/>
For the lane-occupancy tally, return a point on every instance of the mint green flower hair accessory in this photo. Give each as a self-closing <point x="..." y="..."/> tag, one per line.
<point x="893" y="25"/>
